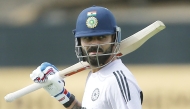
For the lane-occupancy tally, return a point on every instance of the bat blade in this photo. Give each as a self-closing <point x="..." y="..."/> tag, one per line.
<point x="133" y="42"/>
<point x="127" y="46"/>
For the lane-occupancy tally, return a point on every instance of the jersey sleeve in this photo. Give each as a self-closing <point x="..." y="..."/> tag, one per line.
<point x="122" y="93"/>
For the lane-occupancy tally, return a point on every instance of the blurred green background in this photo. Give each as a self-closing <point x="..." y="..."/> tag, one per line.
<point x="34" y="31"/>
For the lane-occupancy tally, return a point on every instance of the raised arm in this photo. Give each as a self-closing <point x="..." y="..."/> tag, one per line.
<point x="47" y="72"/>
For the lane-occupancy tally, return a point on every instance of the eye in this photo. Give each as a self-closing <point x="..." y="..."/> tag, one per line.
<point x="101" y="37"/>
<point x="86" y="38"/>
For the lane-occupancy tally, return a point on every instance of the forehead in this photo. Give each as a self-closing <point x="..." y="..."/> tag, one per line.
<point x="97" y="36"/>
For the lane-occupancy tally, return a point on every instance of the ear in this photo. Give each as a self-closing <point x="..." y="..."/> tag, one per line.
<point x="113" y="37"/>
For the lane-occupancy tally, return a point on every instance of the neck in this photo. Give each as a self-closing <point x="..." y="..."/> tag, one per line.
<point x="95" y="69"/>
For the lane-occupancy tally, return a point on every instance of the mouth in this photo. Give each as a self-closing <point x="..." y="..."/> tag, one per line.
<point x="94" y="53"/>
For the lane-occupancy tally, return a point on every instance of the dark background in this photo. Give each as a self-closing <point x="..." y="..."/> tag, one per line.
<point x="34" y="32"/>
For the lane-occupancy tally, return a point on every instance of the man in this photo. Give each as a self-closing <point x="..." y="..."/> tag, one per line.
<point x="109" y="85"/>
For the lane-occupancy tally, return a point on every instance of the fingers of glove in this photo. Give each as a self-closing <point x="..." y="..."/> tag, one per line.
<point x="38" y="76"/>
<point x="56" y="87"/>
<point x="48" y="69"/>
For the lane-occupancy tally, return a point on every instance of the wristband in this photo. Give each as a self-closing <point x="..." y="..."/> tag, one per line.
<point x="71" y="99"/>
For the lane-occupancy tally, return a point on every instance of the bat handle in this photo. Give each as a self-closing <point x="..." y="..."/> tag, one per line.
<point x="17" y="94"/>
<point x="35" y="86"/>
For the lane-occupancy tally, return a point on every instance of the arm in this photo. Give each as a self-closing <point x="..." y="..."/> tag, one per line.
<point x="47" y="72"/>
<point x="75" y="105"/>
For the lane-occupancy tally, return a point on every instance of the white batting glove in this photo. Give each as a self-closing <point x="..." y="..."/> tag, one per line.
<point x="47" y="72"/>
<point x="56" y="89"/>
<point x="40" y="75"/>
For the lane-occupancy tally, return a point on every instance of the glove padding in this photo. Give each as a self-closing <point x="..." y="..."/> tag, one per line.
<point x="40" y="75"/>
<point x="56" y="89"/>
<point x="47" y="72"/>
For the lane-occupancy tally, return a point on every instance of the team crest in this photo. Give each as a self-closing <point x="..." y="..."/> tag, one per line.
<point x="95" y="94"/>
<point x="91" y="22"/>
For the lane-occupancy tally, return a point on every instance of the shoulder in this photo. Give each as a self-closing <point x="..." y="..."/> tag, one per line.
<point x="123" y="83"/>
<point x="120" y="84"/>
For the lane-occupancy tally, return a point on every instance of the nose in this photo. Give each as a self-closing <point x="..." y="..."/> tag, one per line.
<point x="95" y="40"/>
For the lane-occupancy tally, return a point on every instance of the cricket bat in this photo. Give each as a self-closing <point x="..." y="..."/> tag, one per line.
<point x="127" y="46"/>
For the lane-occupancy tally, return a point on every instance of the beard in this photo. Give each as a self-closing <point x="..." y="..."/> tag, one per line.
<point x="95" y="60"/>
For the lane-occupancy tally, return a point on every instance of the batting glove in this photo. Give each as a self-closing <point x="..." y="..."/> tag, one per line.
<point x="47" y="72"/>
<point x="40" y="75"/>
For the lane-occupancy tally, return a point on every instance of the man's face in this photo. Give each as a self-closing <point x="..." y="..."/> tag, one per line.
<point x="91" y="47"/>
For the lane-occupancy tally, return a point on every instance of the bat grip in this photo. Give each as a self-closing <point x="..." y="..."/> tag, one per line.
<point x="19" y="93"/>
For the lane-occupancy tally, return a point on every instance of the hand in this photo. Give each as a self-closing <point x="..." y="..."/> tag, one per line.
<point x="40" y="75"/>
<point x="47" y="72"/>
